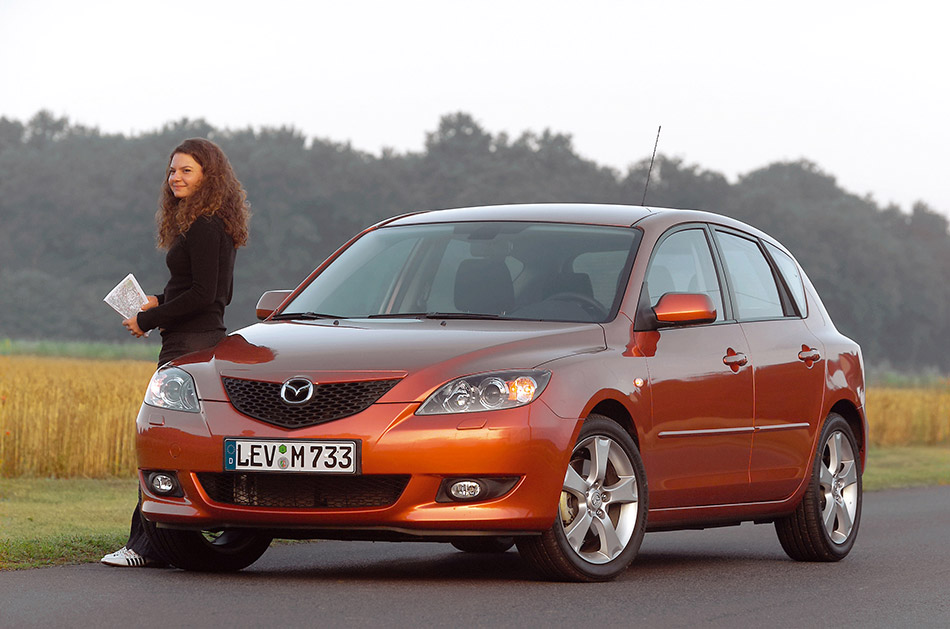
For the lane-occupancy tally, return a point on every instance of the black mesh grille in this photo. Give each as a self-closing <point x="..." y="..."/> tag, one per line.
<point x="334" y="400"/>
<point x="303" y="491"/>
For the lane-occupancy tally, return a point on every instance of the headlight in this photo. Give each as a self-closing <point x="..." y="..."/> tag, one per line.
<point x="486" y="392"/>
<point x="174" y="389"/>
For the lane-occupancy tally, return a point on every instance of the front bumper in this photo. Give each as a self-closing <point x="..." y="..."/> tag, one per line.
<point x="530" y="443"/>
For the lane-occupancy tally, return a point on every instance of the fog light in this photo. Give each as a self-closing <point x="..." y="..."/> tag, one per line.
<point x="164" y="484"/>
<point x="465" y="490"/>
<point x="472" y="489"/>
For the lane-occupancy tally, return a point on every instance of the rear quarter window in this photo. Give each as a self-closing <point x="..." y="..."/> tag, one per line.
<point x="792" y="276"/>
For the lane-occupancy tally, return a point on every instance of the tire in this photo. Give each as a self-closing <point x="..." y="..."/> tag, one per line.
<point x="208" y="551"/>
<point x="602" y="512"/>
<point x="484" y="544"/>
<point x="825" y="523"/>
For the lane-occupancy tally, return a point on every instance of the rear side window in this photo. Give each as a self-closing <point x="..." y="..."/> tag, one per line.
<point x="791" y="275"/>
<point x="750" y="275"/>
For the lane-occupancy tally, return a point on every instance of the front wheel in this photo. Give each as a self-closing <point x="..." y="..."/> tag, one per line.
<point x="824" y="525"/>
<point x="602" y="511"/>
<point x="208" y="551"/>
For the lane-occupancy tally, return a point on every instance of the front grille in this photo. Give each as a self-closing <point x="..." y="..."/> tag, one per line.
<point x="334" y="400"/>
<point x="301" y="491"/>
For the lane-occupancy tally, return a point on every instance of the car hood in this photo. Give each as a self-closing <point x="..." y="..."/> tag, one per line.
<point x="423" y="353"/>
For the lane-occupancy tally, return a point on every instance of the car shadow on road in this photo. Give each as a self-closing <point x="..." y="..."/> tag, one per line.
<point x="428" y="562"/>
<point x="438" y="562"/>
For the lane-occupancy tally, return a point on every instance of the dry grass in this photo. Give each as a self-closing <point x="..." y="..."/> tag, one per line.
<point x="67" y="418"/>
<point x="74" y="418"/>
<point x="902" y="417"/>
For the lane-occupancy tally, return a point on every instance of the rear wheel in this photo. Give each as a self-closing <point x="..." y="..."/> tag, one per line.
<point x="824" y="525"/>
<point x="602" y="511"/>
<point x="208" y="551"/>
<point x="484" y="544"/>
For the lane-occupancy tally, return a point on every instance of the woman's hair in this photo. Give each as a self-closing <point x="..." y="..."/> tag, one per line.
<point x="219" y="194"/>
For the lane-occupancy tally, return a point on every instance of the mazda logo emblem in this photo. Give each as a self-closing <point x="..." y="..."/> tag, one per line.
<point x="296" y="391"/>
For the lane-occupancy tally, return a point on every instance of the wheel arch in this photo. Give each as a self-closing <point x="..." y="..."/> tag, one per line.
<point x="856" y="421"/>
<point x="617" y="412"/>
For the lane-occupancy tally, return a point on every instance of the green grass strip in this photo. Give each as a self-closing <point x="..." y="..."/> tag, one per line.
<point x="907" y="466"/>
<point x="131" y="350"/>
<point x="57" y="521"/>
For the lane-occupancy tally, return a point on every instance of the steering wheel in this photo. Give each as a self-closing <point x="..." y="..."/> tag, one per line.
<point x="590" y="305"/>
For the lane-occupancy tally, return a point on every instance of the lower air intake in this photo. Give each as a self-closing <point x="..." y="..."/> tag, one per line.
<point x="297" y="491"/>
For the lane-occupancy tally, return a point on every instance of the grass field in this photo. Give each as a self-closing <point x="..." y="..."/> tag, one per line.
<point x="55" y="521"/>
<point x="143" y="349"/>
<point x="909" y="416"/>
<point x="69" y="417"/>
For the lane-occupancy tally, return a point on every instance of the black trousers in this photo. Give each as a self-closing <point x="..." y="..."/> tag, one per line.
<point x="174" y="344"/>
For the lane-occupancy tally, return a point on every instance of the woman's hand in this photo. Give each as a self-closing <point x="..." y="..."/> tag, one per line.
<point x="132" y="324"/>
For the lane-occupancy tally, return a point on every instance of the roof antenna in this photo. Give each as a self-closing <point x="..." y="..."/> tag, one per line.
<point x="652" y="159"/>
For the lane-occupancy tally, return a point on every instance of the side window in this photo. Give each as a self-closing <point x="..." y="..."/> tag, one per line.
<point x="757" y="296"/>
<point x="791" y="275"/>
<point x="683" y="264"/>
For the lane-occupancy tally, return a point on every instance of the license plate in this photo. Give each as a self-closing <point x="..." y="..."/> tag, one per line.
<point x="291" y="455"/>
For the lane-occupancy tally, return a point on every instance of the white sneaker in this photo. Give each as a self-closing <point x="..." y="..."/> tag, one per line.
<point x="125" y="558"/>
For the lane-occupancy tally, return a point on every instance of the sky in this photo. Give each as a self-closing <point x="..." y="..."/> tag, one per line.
<point x="858" y="88"/>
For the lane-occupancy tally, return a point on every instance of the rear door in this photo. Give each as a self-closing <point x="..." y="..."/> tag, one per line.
<point x="786" y="358"/>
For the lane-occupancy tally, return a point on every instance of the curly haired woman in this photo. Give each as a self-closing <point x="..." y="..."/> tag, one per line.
<point x="202" y="221"/>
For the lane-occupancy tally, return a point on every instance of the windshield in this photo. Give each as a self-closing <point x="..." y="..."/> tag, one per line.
<point x="507" y="270"/>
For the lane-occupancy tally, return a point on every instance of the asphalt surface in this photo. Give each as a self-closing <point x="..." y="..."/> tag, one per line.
<point x="897" y="575"/>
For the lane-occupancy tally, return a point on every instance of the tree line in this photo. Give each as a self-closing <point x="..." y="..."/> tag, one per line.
<point x="77" y="213"/>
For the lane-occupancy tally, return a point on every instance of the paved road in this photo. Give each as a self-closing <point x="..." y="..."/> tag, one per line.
<point x="897" y="575"/>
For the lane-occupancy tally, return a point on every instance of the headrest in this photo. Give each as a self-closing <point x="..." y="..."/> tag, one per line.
<point x="483" y="285"/>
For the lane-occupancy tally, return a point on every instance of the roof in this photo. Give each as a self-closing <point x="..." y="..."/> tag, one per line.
<point x="588" y="213"/>
<point x="577" y="213"/>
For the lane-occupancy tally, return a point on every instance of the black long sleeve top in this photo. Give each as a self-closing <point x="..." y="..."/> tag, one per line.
<point x="201" y="262"/>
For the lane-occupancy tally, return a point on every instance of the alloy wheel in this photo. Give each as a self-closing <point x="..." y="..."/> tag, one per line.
<point x="598" y="507"/>
<point x="838" y="487"/>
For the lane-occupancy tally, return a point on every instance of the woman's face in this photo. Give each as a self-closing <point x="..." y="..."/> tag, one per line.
<point x="184" y="175"/>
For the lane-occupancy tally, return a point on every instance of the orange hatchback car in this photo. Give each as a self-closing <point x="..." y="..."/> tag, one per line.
<point x="560" y="377"/>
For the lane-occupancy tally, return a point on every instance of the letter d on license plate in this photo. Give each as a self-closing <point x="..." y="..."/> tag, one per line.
<point x="291" y="455"/>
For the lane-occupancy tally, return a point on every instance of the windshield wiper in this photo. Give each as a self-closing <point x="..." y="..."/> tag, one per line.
<point x="434" y="315"/>
<point x="309" y="316"/>
<point x="461" y="315"/>
<point x="396" y="315"/>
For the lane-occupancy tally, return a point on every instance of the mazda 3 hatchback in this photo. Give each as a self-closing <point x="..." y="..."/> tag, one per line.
<point x="558" y="377"/>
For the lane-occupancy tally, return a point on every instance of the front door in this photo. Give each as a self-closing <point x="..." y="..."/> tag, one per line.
<point x="700" y="438"/>
<point x="702" y="417"/>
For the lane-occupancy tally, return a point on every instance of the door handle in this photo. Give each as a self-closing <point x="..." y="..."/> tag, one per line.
<point x="809" y="355"/>
<point x="734" y="360"/>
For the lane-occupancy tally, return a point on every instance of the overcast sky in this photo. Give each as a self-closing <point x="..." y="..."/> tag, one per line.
<point x="858" y="87"/>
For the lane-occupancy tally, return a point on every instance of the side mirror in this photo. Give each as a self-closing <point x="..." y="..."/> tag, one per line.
<point x="270" y="301"/>
<point x="684" y="308"/>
